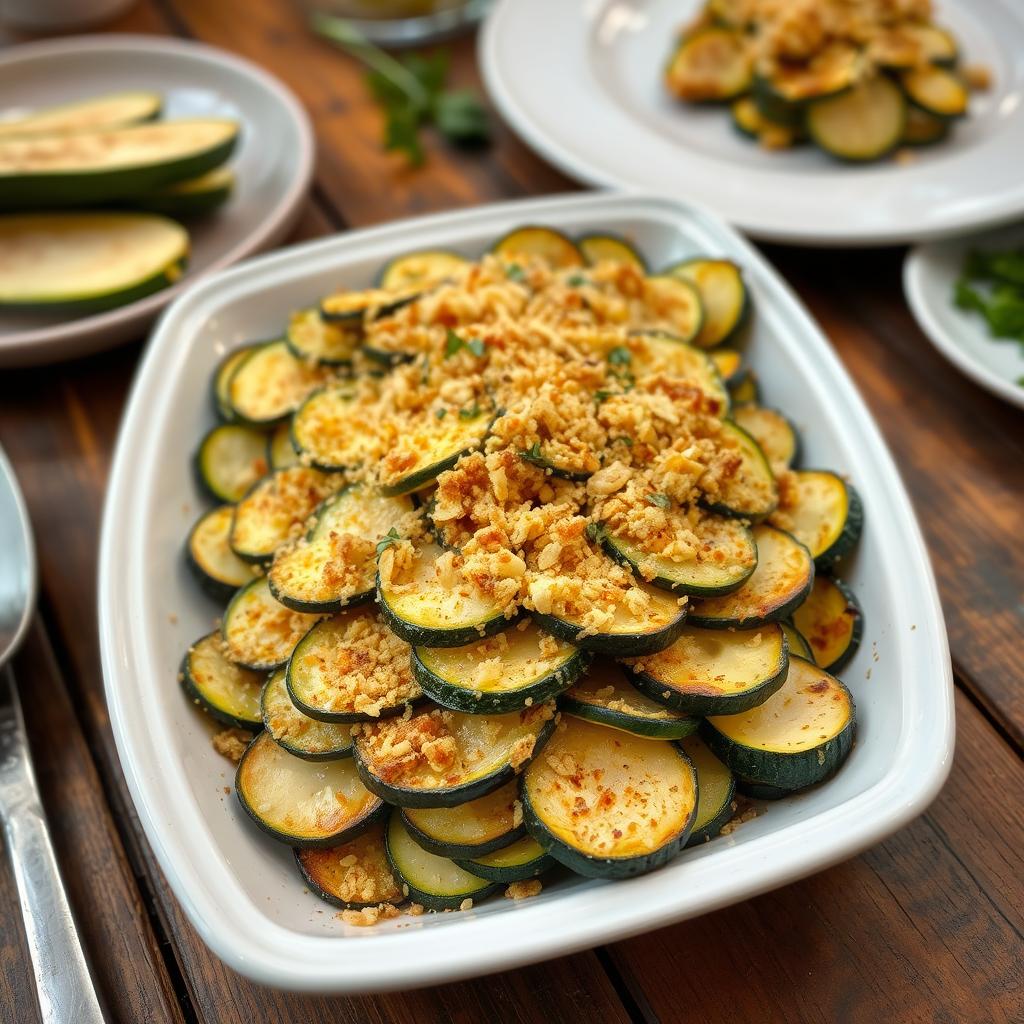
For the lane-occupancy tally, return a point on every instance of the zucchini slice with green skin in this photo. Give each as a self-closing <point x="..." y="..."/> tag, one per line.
<point x="532" y="242"/>
<point x="353" y="307"/>
<point x="654" y="352"/>
<point x="676" y="303"/>
<point x="525" y="858"/>
<point x="506" y="672"/>
<point x="329" y="430"/>
<point x="798" y="645"/>
<point x="219" y="570"/>
<point x="832" y="71"/>
<point x="938" y="44"/>
<point x="87" y="167"/>
<point x="420" y="270"/>
<point x="923" y="129"/>
<point x="716" y="789"/>
<point x="472" y="829"/>
<point x="772" y="431"/>
<point x="313" y="340"/>
<point x="350" y="668"/>
<point x="434" y="882"/>
<point x="281" y="453"/>
<point x="479" y="754"/>
<point x="715" y="672"/>
<point x="823" y="512"/>
<point x="936" y="91"/>
<point x="723" y="296"/>
<point x="354" y="875"/>
<point x="112" y="110"/>
<point x="832" y="622"/>
<point x="230" y="459"/>
<point x="299" y="734"/>
<point x="865" y="123"/>
<point x="538" y="456"/>
<point x="306" y="804"/>
<point x="797" y="738"/>
<point x="744" y="387"/>
<point x="712" y="65"/>
<point x="194" y="197"/>
<point x="752" y="493"/>
<point x="229" y="693"/>
<point x="596" y="248"/>
<point x="270" y="384"/>
<point x="86" y="262"/>
<point x="222" y="377"/>
<point x="335" y="565"/>
<point x="259" y="633"/>
<point x="606" y="804"/>
<point x="748" y="120"/>
<point x="780" y="584"/>
<point x="728" y="362"/>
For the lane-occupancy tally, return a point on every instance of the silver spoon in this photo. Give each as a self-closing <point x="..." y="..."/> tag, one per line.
<point x="64" y="984"/>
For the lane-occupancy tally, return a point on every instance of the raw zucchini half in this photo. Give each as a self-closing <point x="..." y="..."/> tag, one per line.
<point x="716" y="789"/>
<point x="312" y="339"/>
<point x="752" y="493"/>
<point x="329" y="430"/>
<point x="270" y="384"/>
<point x="193" y="197"/>
<point x="112" y="110"/>
<point x="434" y="882"/>
<point x="419" y="270"/>
<point x="306" y="804"/>
<point x="86" y="262"/>
<point x="780" y="584"/>
<point x="506" y="672"/>
<point x="354" y="875"/>
<point x="219" y="570"/>
<point x="597" y="248"/>
<point x="231" y="694"/>
<point x="798" y="737"/>
<point x="479" y="754"/>
<point x="676" y="304"/>
<point x="606" y="804"/>
<point x="230" y="459"/>
<point x="711" y="65"/>
<point x="530" y="242"/>
<point x="772" y="431"/>
<point x="936" y="91"/>
<point x="865" y="123"/>
<point x="715" y="672"/>
<point x="525" y="858"/>
<point x="824" y="513"/>
<point x="654" y="352"/>
<point x="722" y="294"/>
<point x="299" y="734"/>
<point x="81" y="168"/>
<point x="832" y="622"/>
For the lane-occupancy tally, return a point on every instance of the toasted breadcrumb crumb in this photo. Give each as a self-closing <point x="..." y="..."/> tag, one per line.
<point x="231" y="743"/>
<point x="523" y="890"/>
<point x="742" y="813"/>
<point x="369" y="916"/>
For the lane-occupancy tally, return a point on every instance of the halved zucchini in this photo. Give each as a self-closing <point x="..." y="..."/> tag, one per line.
<point x="353" y="307"/>
<point x="864" y="123"/>
<point x="222" y="377"/>
<point x="435" y="883"/>
<point x="86" y="261"/>
<point x="832" y="622"/>
<point x="772" y="431"/>
<point x="259" y="633"/>
<point x="351" y="668"/>
<point x="654" y="352"/>
<point x="299" y="734"/>
<point x="798" y="645"/>
<point x="329" y="430"/>
<point x="193" y="197"/>
<point x="711" y="65"/>
<point x="823" y="512"/>
<point x="715" y="672"/>
<point x="723" y="296"/>
<point x="936" y="91"/>
<point x="441" y="758"/>
<point x="281" y="453"/>
<point x="306" y="804"/>
<point x="506" y="672"/>
<point x="716" y="789"/>
<point x="675" y="303"/>
<point x="231" y="694"/>
<point x="354" y="875"/>
<point x="752" y="491"/>
<point x="525" y="858"/>
<point x="270" y="384"/>
<point x="112" y="110"/>
<point x="419" y="270"/>
<point x="219" y="570"/>
<point x="79" y="168"/>
<point x="923" y="129"/>
<point x="597" y="248"/>
<point x="230" y="459"/>
<point x="606" y="804"/>
<point x="531" y="242"/>
<point x="313" y="340"/>
<point x="798" y="737"/>
<point x="780" y="584"/>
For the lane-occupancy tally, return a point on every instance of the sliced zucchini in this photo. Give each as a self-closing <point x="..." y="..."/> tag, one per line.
<point x="798" y="737"/>
<point x="313" y="340"/>
<point x="832" y="622"/>
<point x="525" y="858"/>
<point x="716" y="789"/>
<point x="354" y="875"/>
<point x="351" y="668"/>
<point x="752" y="491"/>
<point x="281" y="453"/>
<point x="823" y="512"/>
<point x="748" y="120"/>
<point x="306" y="804"/>
<point x="865" y="123"/>
<point x="833" y="70"/>
<point x="556" y="249"/>
<point x="435" y="883"/>
<point x="711" y="65"/>
<point x="576" y="466"/>
<point x="259" y="633"/>
<point x="923" y="129"/>
<point x="798" y="645"/>
<point x="772" y="431"/>
<point x="598" y="248"/>
<point x="441" y="758"/>
<point x="79" y="168"/>
<point x="744" y="388"/>
<point x="329" y="430"/>
<point x="936" y="91"/>
<point x="655" y="352"/>
<point x="270" y="384"/>
<point x="606" y="804"/>
<point x="780" y="584"/>
<point x="231" y="694"/>
<point x="276" y="508"/>
<point x="723" y="296"/>
<point x="86" y="262"/>
<point x="472" y="829"/>
<point x="938" y="45"/>
<point x="353" y="308"/>
<point x="728" y="362"/>
<point x="605" y="697"/>
<point x="230" y="459"/>
<point x="506" y="672"/>
<point x="715" y="672"/>
<point x="676" y="304"/>
<point x="335" y="564"/>
<point x="193" y="197"/>
<point x="299" y="734"/>
<point x="420" y="270"/>
<point x="113" y="110"/>
<point x="222" y="377"/>
<point x="219" y="570"/>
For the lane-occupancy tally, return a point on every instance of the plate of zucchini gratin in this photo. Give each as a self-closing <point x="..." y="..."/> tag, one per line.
<point x="822" y="122"/>
<point x="520" y="572"/>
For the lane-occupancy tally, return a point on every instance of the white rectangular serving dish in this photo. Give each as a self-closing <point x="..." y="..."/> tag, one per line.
<point x="239" y="888"/>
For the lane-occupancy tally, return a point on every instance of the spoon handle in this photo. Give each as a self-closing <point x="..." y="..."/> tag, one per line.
<point x="64" y="984"/>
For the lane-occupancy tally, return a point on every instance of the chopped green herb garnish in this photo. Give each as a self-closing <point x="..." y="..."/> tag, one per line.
<point x="661" y="500"/>
<point x="596" y="532"/>
<point x="514" y="272"/>
<point x="453" y="343"/>
<point x="620" y="356"/>
<point x="535" y="455"/>
<point x="576" y="281"/>
<point x="600" y="396"/>
<point x="476" y="346"/>
<point x="625" y="439"/>
<point x="391" y="537"/>
<point x="470" y="413"/>
<point x="441" y="413"/>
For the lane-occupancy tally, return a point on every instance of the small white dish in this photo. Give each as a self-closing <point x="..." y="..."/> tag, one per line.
<point x="240" y="889"/>
<point x="273" y="163"/>
<point x="930" y="273"/>
<point x="581" y="82"/>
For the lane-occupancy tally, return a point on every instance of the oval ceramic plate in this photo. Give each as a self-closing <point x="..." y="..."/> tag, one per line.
<point x="273" y="163"/>
<point x="930" y="273"/>
<point x="589" y="98"/>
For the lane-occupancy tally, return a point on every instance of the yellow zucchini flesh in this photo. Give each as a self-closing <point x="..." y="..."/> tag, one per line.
<point x="607" y="248"/>
<point x="230" y="693"/>
<point x="656" y="352"/>
<point x="821" y="511"/>
<point x="723" y="296"/>
<point x="230" y="459"/>
<point x="330" y="430"/>
<point x="420" y="270"/>
<point x="353" y="875"/>
<point x="220" y="571"/>
<point x="865" y="123"/>
<point x="935" y="90"/>
<point x="270" y="383"/>
<point x="299" y="734"/>
<point x="529" y="243"/>
<point x="312" y="338"/>
<point x="711" y="65"/>
<point x="752" y="491"/>
<point x="772" y="431"/>
<point x="716" y="788"/>
<point x="674" y="305"/>
<point x="112" y="110"/>
<point x="832" y="622"/>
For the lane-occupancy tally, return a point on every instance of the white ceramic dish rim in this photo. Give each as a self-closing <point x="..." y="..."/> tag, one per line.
<point x="265" y="231"/>
<point x="271" y="954"/>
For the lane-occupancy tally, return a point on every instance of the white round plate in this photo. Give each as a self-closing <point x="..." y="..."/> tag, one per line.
<point x="581" y="81"/>
<point x="273" y="163"/>
<point x="929" y="275"/>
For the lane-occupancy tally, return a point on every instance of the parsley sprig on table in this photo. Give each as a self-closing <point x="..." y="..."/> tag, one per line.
<point x="1000" y="300"/>
<point x="411" y="91"/>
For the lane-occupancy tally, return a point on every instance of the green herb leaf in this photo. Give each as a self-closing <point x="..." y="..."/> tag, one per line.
<point x="514" y="272"/>
<point x="661" y="500"/>
<point x="469" y="414"/>
<point x="391" y="537"/>
<point x="535" y="455"/>
<point x="461" y="117"/>
<point x="596" y="532"/>
<point x="453" y="343"/>
<point x="476" y="346"/>
<point x="620" y="356"/>
<point x="576" y="281"/>
<point x="601" y="395"/>
<point x="441" y="413"/>
<point x="625" y="439"/>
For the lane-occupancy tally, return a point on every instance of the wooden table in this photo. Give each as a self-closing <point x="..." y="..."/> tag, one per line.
<point x="927" y="926"/>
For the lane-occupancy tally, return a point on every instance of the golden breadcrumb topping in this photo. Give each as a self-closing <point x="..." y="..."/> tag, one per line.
<point x="355" y="872"/>
<point x="231" y="743"/>
<point x="369" y="916"/>
<point x="523" y="890"/>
